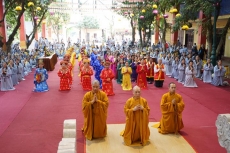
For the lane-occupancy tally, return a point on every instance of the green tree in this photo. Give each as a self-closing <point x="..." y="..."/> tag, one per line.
<point x="88" y="22"/>
<point x="14" y="9"/>
<point x="149" y="14"/>
<point x="189" y="14"/>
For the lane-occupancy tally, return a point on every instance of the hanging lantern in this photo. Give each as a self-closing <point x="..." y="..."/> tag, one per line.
<point x="39" y="9"/>
<point x="18" y="8"/>
<point x="154" y="6"/>
<point x="165" y="16"/>
<point x="35" y="18"/>
<point x="155" y="11"/>
<point x="30" y="4"/>
<point x="142" y="17"/>
<point x="185" y="27"/>
<point x="143" y="11"/>
<point x="174" y="10"/>
<point x="51" y="13"/>
<point x="178" y="15"/>
<point x="132" y="15"/>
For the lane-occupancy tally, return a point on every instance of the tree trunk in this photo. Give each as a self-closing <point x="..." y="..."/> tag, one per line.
<point x="223" y="37"/>
<point x="140" y="34"/>
<point x="12" y="35"/>
<point x="209" y="37"/>
<point x="163" y="41"/>
<point x="133" y="30"/>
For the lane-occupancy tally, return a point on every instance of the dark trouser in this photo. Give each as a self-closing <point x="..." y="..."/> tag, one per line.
<point x="150" y="80"/>
<point x="159" y="83"/>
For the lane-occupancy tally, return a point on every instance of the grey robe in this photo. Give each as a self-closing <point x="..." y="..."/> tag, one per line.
<point x="168" y="66"/>
<point x="189" y="78"/>
<point x="198" y="67"/>
<point x="20" y="72"/>
<point x="218" y="77"/>
<point x="207" y="74"/>
<point x="175" y="71"/>
<point x="14" y="75"/>
<point x="181" y="76"/>
<point x="6" y="81"/>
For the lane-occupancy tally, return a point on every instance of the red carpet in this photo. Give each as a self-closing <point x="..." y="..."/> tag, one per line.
<point x="33" y="122"/>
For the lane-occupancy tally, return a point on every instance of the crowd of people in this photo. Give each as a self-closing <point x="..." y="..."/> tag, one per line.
<point x="132" y="68"/>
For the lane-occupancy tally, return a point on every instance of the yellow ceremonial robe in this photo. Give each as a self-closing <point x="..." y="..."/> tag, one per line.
<point x="171" y="121"/>
<point x="95" y="115"/>
<point x="73" y="59"/>
<point x="136" y="128"/>
<point x="126" y="78"/>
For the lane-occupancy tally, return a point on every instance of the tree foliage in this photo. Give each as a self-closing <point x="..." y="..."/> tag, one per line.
<point x="56" y="20"/>
<point x="88" y="22"/>
<point x="142" y="13"/>
<point x="189" y="13"/>
<point x="13" y="17"/>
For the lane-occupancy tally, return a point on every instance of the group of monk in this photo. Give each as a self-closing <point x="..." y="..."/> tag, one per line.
<point x="95" y="102"/>
<point x="95" y="105"/>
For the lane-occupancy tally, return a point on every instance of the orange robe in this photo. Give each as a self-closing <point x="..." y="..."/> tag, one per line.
<point x="86" y="74"/>
<point x="141" y="78"/>
<point x="150" y="72"/>
<point x="95" y="115"/>
<point x="159" y="74"/>
<point x="171" y="121"/>
<point x="107" y="86"/>
<point x="65" y="79"/>
<point x="136" y="128"/>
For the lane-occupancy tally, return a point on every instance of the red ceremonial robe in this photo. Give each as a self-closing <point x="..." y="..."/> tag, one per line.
<point x="150" y="73"/>
<point x="107" y="85"/>
<point x="65" y="78"/>
<point x="86" y="78"/>
<point x="141" y="78"/>
<point x="159" y="75"/>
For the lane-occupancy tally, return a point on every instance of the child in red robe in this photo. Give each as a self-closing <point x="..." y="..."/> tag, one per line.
<point x="65" y="76"/>
<point x="107" y="76"/>
<point x="86" y="73"/>
<point x="141" y="78"/>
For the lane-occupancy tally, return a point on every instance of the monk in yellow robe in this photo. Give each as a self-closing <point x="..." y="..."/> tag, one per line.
<point x="172" y="106"/>
<point x="137" y="120"/>
<point x="94" y="106"/>
<point x="126" y="78"/>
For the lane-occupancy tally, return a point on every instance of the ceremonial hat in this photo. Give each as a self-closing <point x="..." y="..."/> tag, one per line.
<point x="40" y="61"/>
<point x="64" y="62"/>
<point x="107" y="62"/>
<point x="86" y="60"/>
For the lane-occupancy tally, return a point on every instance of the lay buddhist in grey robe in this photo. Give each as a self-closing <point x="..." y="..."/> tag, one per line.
<point x="189" y="78"/>
<point x="20" y="72"/>
<point x="168" y="66"/>
<point x="198" y="66"/>
<point x="14" y="75"/>
<point x="207" y="74"/>
<point x="218" y="77"/>
<point x="181" y="70"/>
<point x="6" y="81"/>
<point x="175" y="71"/>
